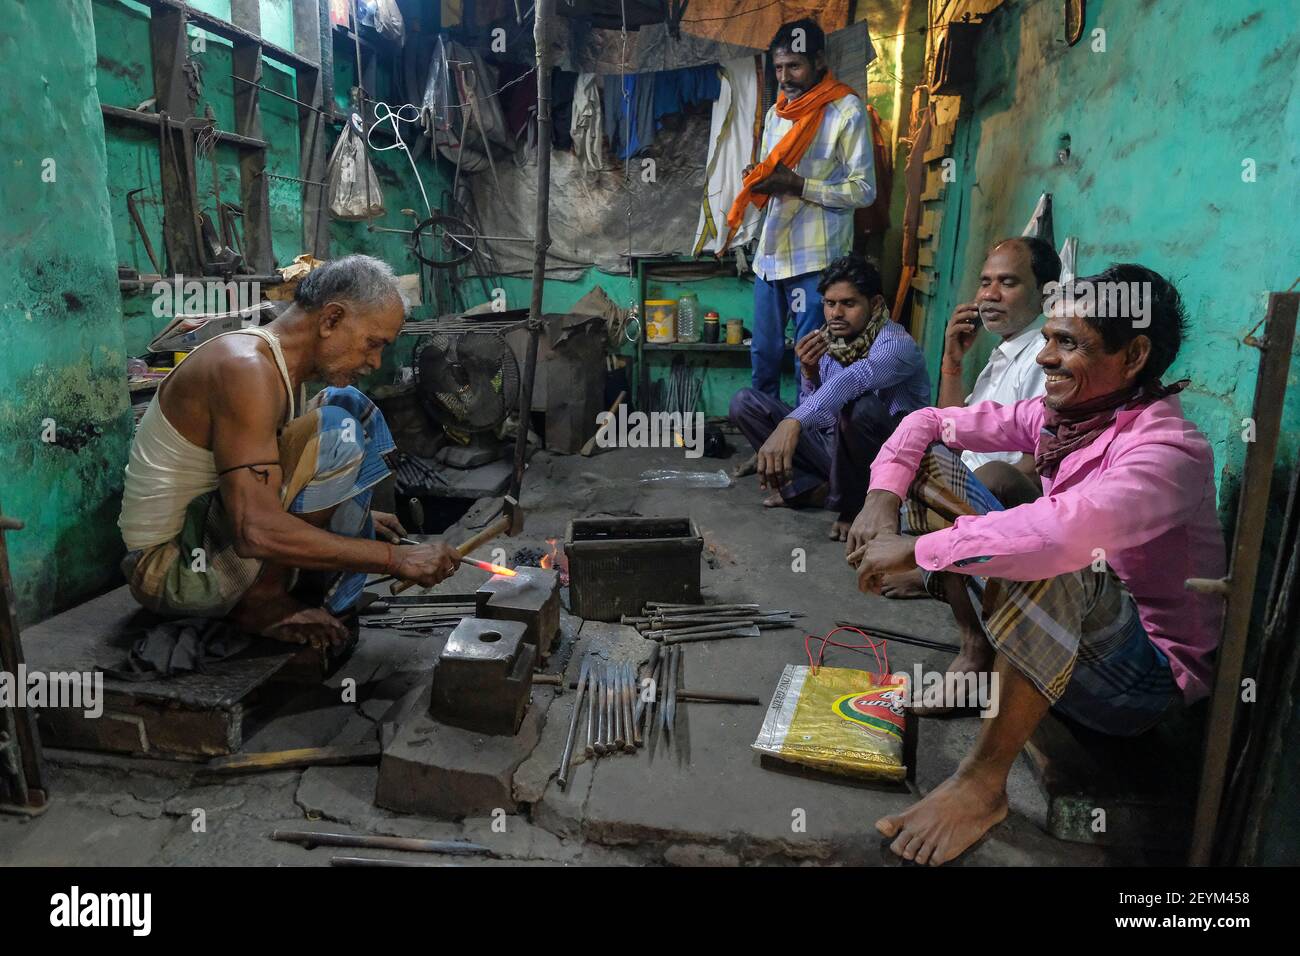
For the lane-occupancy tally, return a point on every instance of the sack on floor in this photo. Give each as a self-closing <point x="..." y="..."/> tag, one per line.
<point x="838" y="720"/>
<point x="354" y="188"/>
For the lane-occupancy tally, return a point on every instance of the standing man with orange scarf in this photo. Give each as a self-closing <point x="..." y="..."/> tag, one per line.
<point x="816" y="169"/>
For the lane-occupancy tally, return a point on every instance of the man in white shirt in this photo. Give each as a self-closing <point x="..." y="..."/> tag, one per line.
<point x="1010" y="305"/>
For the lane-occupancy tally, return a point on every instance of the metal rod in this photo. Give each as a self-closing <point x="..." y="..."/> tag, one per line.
<point x="629" y="731"/>
<point x="634" y="696"/>
<point x="620" y="732"/>
<point x="284" y="96"/>
<point x="313" y="838"/>
<point x="901" y="637"/>
<point x="640" y="707"/>
<point x="700" y="608"/>
<point x="712" y="697"/>
<point x="675" y="637"/>
<point x="655" y="678"/>
<point x="563" y="778"/>
<point x="295" y="179"/>
<point x="591" y="713"/>
<point x="601" y="710"/>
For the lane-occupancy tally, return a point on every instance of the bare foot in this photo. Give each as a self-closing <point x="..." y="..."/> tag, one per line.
<point x="975" y="657"/>
<point x="839" y="530"/>
<point x="282" y="618"/>
<point x="949" y="820"/>
<point x="904" y="586"/>
<point x="310" y="625"/>
<point x="812" y="498"/>
<point x="747" y="467"/>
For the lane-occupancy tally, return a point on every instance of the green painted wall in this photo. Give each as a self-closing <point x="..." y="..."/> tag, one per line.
<point x="61" y="344"/>
<point x="1160" y="124"/>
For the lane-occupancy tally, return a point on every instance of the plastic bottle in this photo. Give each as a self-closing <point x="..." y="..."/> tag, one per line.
<point x="687" y="479"/>
<point x="688" y="318"/>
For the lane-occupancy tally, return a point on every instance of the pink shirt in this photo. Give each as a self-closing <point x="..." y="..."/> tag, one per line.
<point x="1142" y="492"/>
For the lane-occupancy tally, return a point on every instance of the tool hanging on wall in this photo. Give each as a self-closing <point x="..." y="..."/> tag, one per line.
<point x="139" y="227"/>
<point x="218" y="257"/>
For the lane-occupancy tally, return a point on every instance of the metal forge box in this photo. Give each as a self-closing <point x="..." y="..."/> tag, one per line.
<point x="617" y="564"/>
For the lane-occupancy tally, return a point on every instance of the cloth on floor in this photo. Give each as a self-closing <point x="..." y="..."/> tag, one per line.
<point x="734" y="132"/>
<point x="586" y="125"/>
<point x="182" y="646"/>
<point x="629" y="118"/>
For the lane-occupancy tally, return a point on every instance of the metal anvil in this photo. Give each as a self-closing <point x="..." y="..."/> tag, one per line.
<point x="483" y="677"/>
<point x="531" y="596"/>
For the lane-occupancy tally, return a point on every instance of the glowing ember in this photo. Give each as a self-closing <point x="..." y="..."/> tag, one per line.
<point x="539" y="558"/>
<point x="492" y="568"/>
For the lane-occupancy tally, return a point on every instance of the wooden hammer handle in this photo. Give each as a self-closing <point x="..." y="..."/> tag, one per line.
<point x="500" y="526"/>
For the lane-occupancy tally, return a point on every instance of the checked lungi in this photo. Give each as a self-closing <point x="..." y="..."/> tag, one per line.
<point x="1078" y="636"/>
<point x="331" y="456"/>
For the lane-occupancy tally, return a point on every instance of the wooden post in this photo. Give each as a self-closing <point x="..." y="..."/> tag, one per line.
<point x="1252" y="513"/>
<point x="254" y="191"/>
<point x="541" y="233"/>
<point x="312" y="39"/>
<point x="168" y="46"/>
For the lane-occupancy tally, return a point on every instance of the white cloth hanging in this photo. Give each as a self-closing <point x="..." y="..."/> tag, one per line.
<point x="734" y="134"/>
<point x="585" y="126"/>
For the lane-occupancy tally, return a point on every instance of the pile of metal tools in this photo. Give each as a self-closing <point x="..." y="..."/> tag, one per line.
<point x="419" y="613"/>
<point x="682" y="623"/>
<point x="626" y="706"/>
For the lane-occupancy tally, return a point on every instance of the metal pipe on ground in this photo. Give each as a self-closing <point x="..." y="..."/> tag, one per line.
<point x="313" y="838"/>
<point x="563" y="776"/>
<point x="675" y="638"/>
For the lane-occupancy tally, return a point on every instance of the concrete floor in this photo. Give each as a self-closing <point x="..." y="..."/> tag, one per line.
<point x="710" y="802"/>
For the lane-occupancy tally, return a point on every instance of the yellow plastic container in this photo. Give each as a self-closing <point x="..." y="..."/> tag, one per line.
<point x="661" y="320"/>
<point x="735" y="331"/>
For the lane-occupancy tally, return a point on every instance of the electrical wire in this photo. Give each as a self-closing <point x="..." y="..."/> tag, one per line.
<point x="394" y="117"/>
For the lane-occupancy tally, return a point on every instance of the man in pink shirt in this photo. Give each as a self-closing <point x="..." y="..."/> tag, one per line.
<point x="1075" y="600"/>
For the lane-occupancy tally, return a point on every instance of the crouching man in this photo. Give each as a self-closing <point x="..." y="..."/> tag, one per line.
<point x="1075" y="600"/>
<point x="237" y="493"/>
<point x="861" y="374"/>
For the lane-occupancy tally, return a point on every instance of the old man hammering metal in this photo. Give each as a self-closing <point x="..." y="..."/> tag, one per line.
<point x="289" y="612"/>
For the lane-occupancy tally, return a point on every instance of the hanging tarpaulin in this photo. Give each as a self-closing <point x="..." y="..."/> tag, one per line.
<point x="354" y="188"/>
<point x="753" y="23"/>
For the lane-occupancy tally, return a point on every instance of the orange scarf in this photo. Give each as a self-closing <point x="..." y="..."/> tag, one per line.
<point x="806" y="112"/>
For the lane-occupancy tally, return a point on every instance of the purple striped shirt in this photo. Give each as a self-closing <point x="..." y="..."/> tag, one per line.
<point x="894" y="369"/>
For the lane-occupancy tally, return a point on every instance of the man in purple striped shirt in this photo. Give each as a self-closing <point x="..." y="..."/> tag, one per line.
<point x="861" y="374"/>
